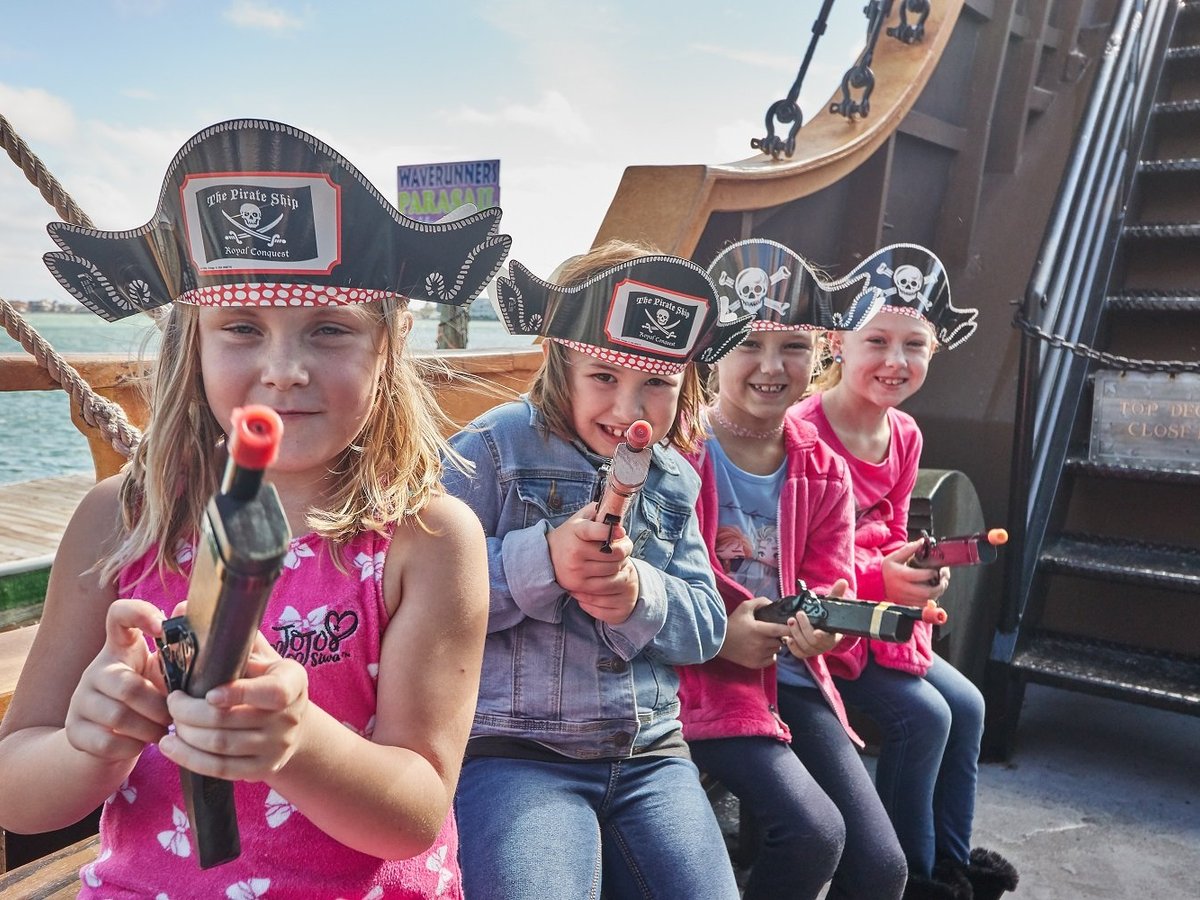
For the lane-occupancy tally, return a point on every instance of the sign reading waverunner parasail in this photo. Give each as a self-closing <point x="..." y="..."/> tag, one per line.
<point x="428" y="192"/>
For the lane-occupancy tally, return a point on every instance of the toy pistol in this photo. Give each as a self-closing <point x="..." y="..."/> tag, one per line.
<point x="243" y="539"/>
<point x="890" y="622"/>
<point x="623" y="477"/>
<point x="967" y="550"/>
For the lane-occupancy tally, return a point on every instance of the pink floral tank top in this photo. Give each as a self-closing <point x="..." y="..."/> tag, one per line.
<point x="332" y="624"/>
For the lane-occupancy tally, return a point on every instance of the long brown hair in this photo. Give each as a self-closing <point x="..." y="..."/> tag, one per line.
<point x="550" y="392"/>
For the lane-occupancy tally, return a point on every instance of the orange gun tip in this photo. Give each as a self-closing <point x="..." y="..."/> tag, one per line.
<point x="933" y="613"/>
<point x="638" y="434"/>
<point x="997" y="536"/>
<point x="254" y="441"/>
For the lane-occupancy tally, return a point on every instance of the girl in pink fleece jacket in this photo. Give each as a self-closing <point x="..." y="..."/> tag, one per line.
<point x="774" y="506"/>
<point x="930" y="714"/>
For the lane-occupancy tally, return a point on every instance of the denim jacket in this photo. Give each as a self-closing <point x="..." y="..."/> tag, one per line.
<point x="551" y="673"/>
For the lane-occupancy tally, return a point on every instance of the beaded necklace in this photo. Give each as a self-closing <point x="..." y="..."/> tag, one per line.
<point x="739" y="431"/>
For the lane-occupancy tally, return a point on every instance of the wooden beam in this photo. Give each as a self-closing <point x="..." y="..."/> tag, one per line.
<point x="934" y="130"/>
<point x="862" y="228"/>
<point x="957" y="221"/>
<point x="1013" y="103"/>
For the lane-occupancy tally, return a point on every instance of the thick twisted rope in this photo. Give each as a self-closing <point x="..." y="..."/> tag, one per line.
<point x="96" y="411"/>
<point x="39" y="176"/>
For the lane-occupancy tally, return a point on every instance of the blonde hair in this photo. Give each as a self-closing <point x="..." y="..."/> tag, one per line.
<point x="550" y="391"/>
<point x="389" y="471"/>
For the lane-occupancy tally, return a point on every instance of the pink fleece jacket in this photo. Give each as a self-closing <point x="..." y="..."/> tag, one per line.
<point x="881" y="496"/>
<point x="721" y="699"/>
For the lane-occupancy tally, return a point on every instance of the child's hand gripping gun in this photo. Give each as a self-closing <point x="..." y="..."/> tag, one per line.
<point x="967" y="550"/>
<point x="243" y="540"/>
<point x="890" y="622"/>
<point x="623" y="477"/>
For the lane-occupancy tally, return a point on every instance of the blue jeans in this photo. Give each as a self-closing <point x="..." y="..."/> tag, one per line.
<point x="544" y="830"/>
<point x="929" y="759"/>
<point x="872" y="863"/>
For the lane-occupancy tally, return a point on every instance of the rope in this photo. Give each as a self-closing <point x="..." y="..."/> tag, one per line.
<point x="96" y="411"/>
<point x="39" y="176"/>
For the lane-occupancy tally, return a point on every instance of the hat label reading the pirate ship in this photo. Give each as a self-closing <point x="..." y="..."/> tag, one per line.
<point x="253" y="222"/>
<point x="650" y="318"/>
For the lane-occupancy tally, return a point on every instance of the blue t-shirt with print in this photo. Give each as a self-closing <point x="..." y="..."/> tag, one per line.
<point x="748" y="538"/>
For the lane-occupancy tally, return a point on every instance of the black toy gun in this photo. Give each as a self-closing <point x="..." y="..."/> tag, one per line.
<point x="243" y="540"/>
<point x="891" y="622"/>
<point x="967" y="550"/>
<point x="623" y="477"/>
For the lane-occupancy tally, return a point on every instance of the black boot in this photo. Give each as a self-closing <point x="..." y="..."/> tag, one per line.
<point x="990" y="874"/>
<point x="949" y="882"/>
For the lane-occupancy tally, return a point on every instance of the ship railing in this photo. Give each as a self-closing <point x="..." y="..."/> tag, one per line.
<point x="1067" y="287"/>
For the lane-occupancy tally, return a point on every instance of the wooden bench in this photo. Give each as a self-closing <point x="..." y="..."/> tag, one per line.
<point x="56" y="875"/>
<point x="14" y="647"/>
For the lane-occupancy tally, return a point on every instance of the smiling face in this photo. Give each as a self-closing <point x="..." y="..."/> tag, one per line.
<point x="606" y="399"/>
<point x="318" y="367"/>
<point x="764" y="375"/>
<point x="886" y="362"/>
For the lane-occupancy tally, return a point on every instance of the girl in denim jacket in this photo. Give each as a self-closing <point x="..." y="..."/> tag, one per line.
<point x="765" y="718"/>
<point x="930" y="714"/>
<point x="577" y="774"/>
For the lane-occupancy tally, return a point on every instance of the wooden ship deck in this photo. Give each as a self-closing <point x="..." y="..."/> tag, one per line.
<point x="976" y="139"/>
<point x="33" y="515"/>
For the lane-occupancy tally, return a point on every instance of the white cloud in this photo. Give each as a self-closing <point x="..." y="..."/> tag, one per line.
<point x="756" y="58"/>
<point x="38" y="116"/>
<point x="552" y="114"/>
<point x="261" y="16"/>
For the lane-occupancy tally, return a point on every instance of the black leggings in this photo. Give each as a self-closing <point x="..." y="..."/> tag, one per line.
<point x="818" y="810"/>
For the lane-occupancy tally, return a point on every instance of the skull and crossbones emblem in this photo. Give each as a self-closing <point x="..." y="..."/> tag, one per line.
<point x="908" y="283"/>
<point x="752" y="287"/>
<point x="660" y="320"/>
<point x="250" y="215"/>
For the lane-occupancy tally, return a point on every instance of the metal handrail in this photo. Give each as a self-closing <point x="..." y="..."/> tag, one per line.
<point x="1069" y="281"/>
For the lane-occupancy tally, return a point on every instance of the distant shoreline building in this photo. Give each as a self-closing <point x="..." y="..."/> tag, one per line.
<point x="48" y="306"/>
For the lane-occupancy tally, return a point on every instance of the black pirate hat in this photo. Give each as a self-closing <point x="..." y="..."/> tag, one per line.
<point x="254" y="212"/>
<point x="908" y="279"/>
<point x="782" y="290"/>
<point x="653" y="313"/>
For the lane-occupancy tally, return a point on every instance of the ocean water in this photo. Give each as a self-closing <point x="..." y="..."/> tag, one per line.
<point x="37" y="438"/>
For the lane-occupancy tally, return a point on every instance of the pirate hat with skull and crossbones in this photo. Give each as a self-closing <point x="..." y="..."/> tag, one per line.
<point x="652" y="313"/>
<point x="782" y="290"/>
<point x="254" y="212"/>
<point x="908" y="279"/>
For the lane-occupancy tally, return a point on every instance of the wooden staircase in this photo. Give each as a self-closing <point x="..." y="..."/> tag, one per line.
<point x="1102" y="598"/>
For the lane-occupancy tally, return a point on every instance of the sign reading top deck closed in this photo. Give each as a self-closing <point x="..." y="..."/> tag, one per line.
<point x="1151" y="420"/>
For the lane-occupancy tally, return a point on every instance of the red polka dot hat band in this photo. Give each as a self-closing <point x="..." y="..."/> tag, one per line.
<point x="654" y="313"/>
<point x="260" y="213"/>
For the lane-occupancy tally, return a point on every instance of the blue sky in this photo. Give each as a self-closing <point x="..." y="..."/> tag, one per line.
<point x="565" y="94"/>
